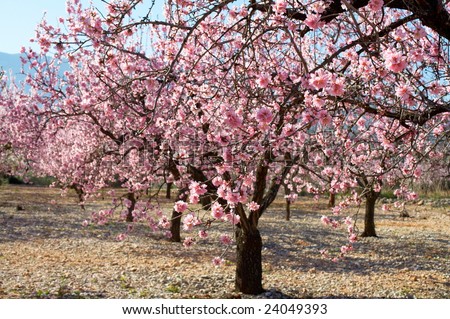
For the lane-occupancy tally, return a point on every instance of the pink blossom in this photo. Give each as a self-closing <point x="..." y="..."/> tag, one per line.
<point x="232" y="12"/>
<point x="411" y="196"/>
<point x="318" y="160"/>
<point x="217" y="181"/>
<point x="85" y="223"/>
<point x="336" y="87"/>
<point x="123" y="214"/>
<point x="263" y="80"/>
<point x="189" y="221"/>
<point x="399" y="204"/>
<point x="168" y="234"/>
<point x="335" y="224"/>
<point x="319" y="80"/>
<point x="233" y="120"/>
<point x="328" y="171"/>
<point x="194" y="199"/>
<point x="417" y="172"/>
<point x="291" y="197"/>
<point x="164" y="222"/>
<point x="217" y="261"/>
<point x="346" y="249"/>
<point x="375" y="5"/>
<point x="324" y="118"/>
<point x="202" y="234"/>
<point x="247" y="180"/>
<point x="225" y="239"/>
<point x="307" y="117"/>
<point x="188" y="242"/>
<point x="403" y="91"/>
<point x="217" y="210"/>
<point x="197" y="188"/>
<point x="353" y="238"/>
<point x="253" y="206"/>
<point x="318" y="102"/>
<point x="233" y="218"/>
<point x="336" y="210"/>
<point x="280" y="6"/>
<point x="264" y="115"/>
<point x="394" y="61"/>
<point x="127" y="202"/>
<point x="180" y="206"/>
<point x="325" y="220"/>
<point x="227" y="154"/>
<point x="222" y="191"/>
<point x="313" y="21"/>
<point x="348" y="220"/>
<point x="121" y="237"/>
<point x="232" y="197"/>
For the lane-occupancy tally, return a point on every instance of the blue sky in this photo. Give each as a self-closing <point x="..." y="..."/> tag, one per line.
<point x="18" y="19"/>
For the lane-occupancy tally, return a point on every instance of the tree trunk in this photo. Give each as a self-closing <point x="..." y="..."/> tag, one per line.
<point x="288" y="209"/>
<point x="287" y="192"/>
<point x="175" y="226"/>
<point x="175" y="222"/>
<point x="369" y="216"/>
<point x="332" y="200"/>
<point x="248" y="262"/>
<point x="80" y="194"/>
<point x="130" y="217"/>
<point x="168" y="190"/>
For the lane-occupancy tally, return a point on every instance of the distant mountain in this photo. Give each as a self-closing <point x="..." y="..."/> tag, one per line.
<point x="12" y="66"/>
<point x="10" y="63"/>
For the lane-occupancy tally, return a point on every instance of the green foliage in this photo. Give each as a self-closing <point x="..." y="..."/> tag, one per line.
<point x="42" y="294"/>
<point x="42" y="181"/>
<point x="124" y="284"/>
<point x="173" y="288"/>
<point x="388" y="193"/>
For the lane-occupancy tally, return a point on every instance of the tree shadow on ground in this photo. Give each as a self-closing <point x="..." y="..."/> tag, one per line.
<point x="383" y="254"/>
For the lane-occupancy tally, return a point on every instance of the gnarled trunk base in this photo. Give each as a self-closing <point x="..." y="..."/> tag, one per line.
<point x="369" y="216"/>
<point x="332" y="200"/>
<point x="132" y="199"/>
<point x="175" y="227"/>
<point x="175" y="223"/>
<point x="249" y="262"/>
<point x="169" y="190"/>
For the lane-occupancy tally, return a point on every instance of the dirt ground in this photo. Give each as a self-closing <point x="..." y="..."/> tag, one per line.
<point x="45" y="252"/>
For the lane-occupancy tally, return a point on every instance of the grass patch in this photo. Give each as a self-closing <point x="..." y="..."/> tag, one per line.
<point x="173" y="288"/>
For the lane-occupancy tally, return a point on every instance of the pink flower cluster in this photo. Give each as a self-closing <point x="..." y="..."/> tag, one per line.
<point x="225" y="239"/>
<point x="375" y="5"/>
<point x="218" y="261"/>
<point x="313" y="21"/>
<point x="195" y="191"/>
<point x="394" y="61"/>
<point x="217" y="211"/>
<point x="279" y="7"/>
<point x="264" y="115"/>
<point x="188" y="242"/>
<point x="190" y="221"/>
<point x="253" y="206"/>
<point x="180" y="206"/>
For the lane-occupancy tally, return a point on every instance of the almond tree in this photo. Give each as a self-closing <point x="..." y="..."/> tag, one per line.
<point x="225" y="96"/>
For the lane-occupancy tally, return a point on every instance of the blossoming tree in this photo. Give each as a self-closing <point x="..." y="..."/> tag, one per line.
<point x="228" y="98"/>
